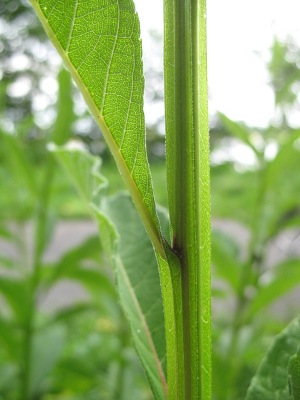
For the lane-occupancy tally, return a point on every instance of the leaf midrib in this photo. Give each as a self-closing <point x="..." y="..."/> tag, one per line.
<point x="146" y="328"/>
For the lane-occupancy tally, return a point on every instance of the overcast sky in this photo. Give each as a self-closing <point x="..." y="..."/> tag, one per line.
<point x="240" y="33"/>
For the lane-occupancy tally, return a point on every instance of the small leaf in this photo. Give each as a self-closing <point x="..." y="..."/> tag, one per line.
<point x="271" y="379"/>
<point x="68" y="313"/>
<point x="92" y="279"/>
<point x="89" y="249"/>
<point x="83" y="171"/>
<point x="240" y="131"/>
<point x="287" y="277"/>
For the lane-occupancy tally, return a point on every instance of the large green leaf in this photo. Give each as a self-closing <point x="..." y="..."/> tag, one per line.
<point x="99" y="41"/>
<point x="271" y="379"/>
<point x="127" y="244"/>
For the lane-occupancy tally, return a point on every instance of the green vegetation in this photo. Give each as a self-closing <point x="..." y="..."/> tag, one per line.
<point x="86" y="348"/>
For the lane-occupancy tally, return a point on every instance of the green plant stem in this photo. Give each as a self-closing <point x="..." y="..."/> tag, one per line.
<point x="39" y="242"/>
<point x="188" y="181"/>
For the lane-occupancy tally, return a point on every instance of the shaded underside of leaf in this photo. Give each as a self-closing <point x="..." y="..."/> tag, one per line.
<point x="99" y="41"/>
<point x="271" y="379"/>
<point x="139" y="286"/>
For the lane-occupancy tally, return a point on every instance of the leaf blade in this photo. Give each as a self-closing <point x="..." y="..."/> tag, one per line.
<point x="138" y="284"/>
<point x="241" y="132"/>
<point x="106" y="64"/>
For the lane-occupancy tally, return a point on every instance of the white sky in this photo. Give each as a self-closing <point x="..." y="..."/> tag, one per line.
<point x="240" y="33"/>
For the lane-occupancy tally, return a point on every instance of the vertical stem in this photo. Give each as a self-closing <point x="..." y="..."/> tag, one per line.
<point x="249" y="275"/>
<point x="187" y="144"/>
<point x="60" y="134"/>
<point x="40" y="229"/>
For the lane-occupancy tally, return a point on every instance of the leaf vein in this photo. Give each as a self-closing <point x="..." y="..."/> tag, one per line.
<point x="72" y="26"/>
<point x="110" y="61"/>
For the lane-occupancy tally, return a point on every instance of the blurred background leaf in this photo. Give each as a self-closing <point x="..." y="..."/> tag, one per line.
<point x="272" y="375"/>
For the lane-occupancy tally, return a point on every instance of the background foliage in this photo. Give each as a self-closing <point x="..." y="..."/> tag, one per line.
<point x="89" y="354"/>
